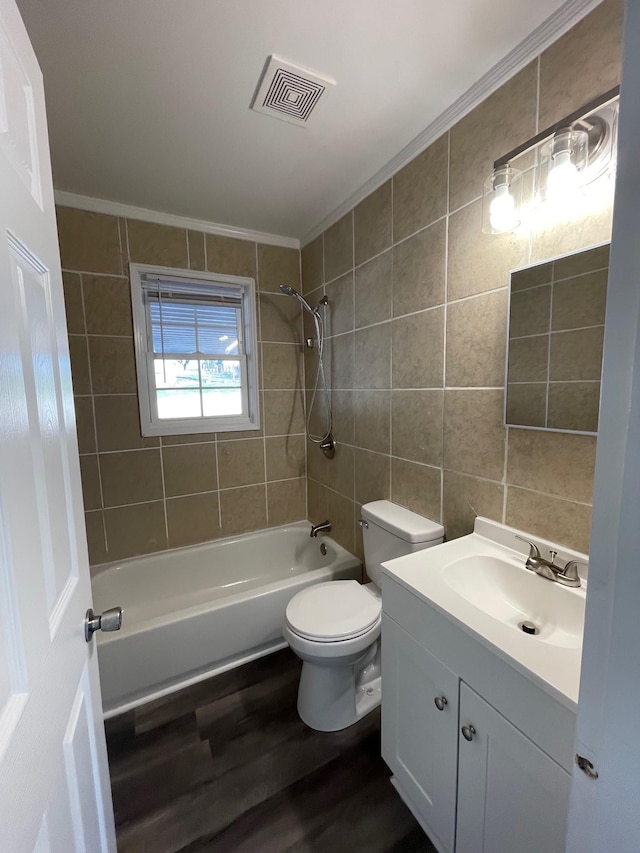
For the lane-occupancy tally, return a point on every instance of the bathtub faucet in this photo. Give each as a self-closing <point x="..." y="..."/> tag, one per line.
<point x="318" y="528"/>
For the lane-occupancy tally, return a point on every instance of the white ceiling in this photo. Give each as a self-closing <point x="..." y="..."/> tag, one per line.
<point x="148" y="101"/>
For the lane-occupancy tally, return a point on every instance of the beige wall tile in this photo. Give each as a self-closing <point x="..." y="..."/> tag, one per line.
<point x="72" y="285"/>
<point x="420" y="190"/>
<point x="312" y="263"/>
<point x="343" y="415"/>
<point x="592" y="226"/>
<point x="372" y="224"/>
<point x="373" y="291"/>
<point x="419" y="270"/>
<point x="195" y="240"/>
<point x="340" y="313"/>
<point x="372" y="367"/>
<point x="131" y="477"/>
<point x="499" y="124"/>
<point x="528" y="359"/>
<point x="582" y="64"/>
<point x="286" y="501"/>
<point x="531" y="276"/>
<point x="195" y="438"/>
<point x="229" y="256"/>
<point x="240" y="463"/>
<point x="555" y="463"/>
<point x="574" y="405"/>
<point x="551" y="518"/>
<point x="340" y="352"/>
<point x="85" y="424"/>
<point x="278" y="265"/>
<point x="476" y="340"/>
<point x="416" y="425"/>
<point x="282" y="365"/>
<point x="527" y="404"/>
<point x="530" y="312"/>
<point x="418" y="349"/>
<point x="90" y="482"/>
<point x="285" y="457"/>
<point x="193" y="519"/>
<point x="342" y="514"/>
<point x="280" y="319"/>
<point x="580" y="301"/>
<point x="463" y="497"/>
<point x="89" y="242"/>
<point x="79" y="364"/>
<point x="473" y="432"/>
<point x="113" y="367"/>
<point x="243" y="509"/>
<point x="133" y="530"/>
<point x="150" y="243"/>
<point x="118" y="423"/>
<point x="283" y="412"/>
<point x="477" y="261"/>
<point x="338" y="472"/>
<point x="372" y="418"/>
<point x="582" y="262"/>
<point x="576" y="355"/>
<point x="317" y="502"/>
<point x="416" y="487"/>
<point x="96" y="542"/>
<point x="338" y="247"/>
<point x="107" y="304"/>
<point x="372" y="476"/>
<point x="189" y="469"/>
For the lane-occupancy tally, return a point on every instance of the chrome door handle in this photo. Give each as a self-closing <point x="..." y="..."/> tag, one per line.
<point x="440" y="702"/>
<point x="468" y="732"/>
<point x="110" y="620"/>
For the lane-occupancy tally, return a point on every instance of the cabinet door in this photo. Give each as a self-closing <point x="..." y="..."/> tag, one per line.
<point x="511" y="795"/>
<point x="419" y="741"/>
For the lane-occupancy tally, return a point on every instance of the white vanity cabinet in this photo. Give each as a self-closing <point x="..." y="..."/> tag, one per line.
<point x="504" y="789"/>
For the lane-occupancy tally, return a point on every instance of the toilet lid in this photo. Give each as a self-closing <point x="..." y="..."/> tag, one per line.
<point x="336" y="610"/>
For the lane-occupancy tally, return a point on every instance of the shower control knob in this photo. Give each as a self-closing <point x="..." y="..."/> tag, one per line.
<point x="440" y="702"/>
<point x="110" y="620"/>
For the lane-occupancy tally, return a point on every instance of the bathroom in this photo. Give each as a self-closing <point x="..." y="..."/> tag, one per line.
<point x="416" y="340"/>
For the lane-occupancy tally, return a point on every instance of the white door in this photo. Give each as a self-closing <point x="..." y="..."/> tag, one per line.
<point x="511" y="795"/>
<point x="419" y="729"/>
<point x="54" y="784"/>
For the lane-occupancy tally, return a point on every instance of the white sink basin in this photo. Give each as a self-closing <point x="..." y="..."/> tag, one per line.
<point x="481" y="583"/>
<point x="513" y="595"/>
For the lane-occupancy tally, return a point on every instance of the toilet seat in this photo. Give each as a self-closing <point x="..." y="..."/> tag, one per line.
<point x="332" y="612"/>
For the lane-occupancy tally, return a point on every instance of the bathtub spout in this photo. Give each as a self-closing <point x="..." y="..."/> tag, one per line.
<point x="318" y="528"/>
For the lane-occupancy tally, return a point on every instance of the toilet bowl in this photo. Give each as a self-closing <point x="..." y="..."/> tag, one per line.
<point x="334" y="627"/>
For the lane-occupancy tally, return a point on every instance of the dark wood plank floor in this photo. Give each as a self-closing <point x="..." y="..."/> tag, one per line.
<point x="227" y="765"/>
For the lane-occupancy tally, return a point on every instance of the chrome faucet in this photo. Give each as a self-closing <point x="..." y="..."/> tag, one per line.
<point x="318" y="528"/>
<point x="547" y="568"/>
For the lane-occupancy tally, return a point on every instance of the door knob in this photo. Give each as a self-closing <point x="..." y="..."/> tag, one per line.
<point x="468" y="732"/>
<point x="440" y="702"/>
<point x="110" y="620"/>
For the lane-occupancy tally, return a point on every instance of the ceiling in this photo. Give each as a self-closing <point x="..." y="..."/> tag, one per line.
<point x="148" y="101"/>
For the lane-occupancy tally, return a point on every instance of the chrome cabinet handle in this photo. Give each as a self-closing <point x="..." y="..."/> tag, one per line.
<point x="110" y="620"/>
<point x="363" y="524"/>
<point x="468" y="732"/>
<point x="440" y="702"/>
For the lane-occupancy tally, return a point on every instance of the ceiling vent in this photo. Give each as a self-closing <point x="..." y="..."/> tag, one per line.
<point x="288" y="92"/>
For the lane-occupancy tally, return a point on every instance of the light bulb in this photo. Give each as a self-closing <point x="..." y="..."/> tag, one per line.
<point x="502" y="211"/>
<point x="563" y="179"/>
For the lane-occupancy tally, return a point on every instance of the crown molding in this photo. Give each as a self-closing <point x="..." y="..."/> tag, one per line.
<point x="114" y="208"/>
<point x="549" y="31"/>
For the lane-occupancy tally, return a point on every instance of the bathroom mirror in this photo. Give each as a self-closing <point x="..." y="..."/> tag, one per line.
<point x="556" y="331"/>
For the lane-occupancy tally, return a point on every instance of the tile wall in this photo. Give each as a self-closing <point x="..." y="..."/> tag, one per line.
<point x="149" y="494"/>
<point x="419" y="300"/>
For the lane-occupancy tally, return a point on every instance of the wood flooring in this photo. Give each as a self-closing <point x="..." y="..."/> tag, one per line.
<point x="227" y="765"/>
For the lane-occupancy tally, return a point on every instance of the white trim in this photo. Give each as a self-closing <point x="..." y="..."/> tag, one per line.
<point x="129" y="211"/>
<point x="549" y="31"/>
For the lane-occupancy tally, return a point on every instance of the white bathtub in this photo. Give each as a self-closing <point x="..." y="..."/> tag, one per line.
<point x="194" y="612"/>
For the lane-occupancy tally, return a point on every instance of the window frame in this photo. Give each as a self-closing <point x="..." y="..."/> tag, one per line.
<point x="151" y="424"/>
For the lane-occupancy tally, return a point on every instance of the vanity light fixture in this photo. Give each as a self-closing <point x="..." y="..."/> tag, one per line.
<point x="570" y="154"/>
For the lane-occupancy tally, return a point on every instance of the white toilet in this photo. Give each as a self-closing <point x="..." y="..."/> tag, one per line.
<point x="334" y="627"/>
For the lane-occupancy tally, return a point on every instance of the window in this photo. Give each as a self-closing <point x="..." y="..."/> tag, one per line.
<point x="196" y="345"/>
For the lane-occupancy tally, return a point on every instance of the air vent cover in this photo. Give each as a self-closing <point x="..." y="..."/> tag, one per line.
<point x="289" y="92"/>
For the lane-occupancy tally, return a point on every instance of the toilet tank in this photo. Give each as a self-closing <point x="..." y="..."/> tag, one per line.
<point x="391" y="531"/>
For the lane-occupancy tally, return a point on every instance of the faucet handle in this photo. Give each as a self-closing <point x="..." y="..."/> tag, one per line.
<point x="570" y="572"/>
<point x="534" y="551"/>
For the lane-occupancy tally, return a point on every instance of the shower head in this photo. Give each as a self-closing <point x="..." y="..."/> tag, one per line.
<point x="290" y="291"/>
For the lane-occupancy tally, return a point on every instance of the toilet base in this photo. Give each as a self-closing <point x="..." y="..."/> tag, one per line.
<point x="331" y="698"/>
